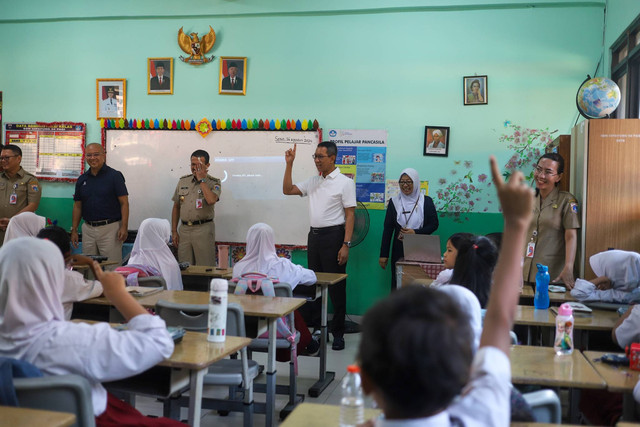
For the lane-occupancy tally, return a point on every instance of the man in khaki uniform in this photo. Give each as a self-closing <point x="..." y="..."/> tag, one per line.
<point x="193" y="206"/>
<point x="546" y="241"/>
<point x="19" y="190"/>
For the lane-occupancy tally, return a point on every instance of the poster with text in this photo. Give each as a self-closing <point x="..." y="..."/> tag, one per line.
<point x="362" y="156"/>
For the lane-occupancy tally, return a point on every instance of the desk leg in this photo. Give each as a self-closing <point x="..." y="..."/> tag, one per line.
<point x="271" y="374"/>
<point x="195" y="396"/>
<point x="324" y="377"/>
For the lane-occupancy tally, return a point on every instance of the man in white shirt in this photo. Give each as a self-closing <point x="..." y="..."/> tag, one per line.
<point x="332" y="201"/>
<point x="415" y="350"/>
<point x="109" y="106"/>
<point x="437" y="143"/>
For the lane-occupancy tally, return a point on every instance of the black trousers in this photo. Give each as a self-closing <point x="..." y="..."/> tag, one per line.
<point x="322" y="256"/>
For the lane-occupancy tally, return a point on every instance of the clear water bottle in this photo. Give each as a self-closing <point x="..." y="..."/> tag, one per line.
<point x="218" y="299"/>
<point x="563" y="344"/>
<point x="352" y="403"/>
<point x="541" y="297"/>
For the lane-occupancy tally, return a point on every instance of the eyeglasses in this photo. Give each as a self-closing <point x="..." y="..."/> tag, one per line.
<point x="5" y="158"/>
<point x="539" y="171"/>
<point x="405" y="182"/>
<point x="318" y="156"/>
<point x="92" y="155"/>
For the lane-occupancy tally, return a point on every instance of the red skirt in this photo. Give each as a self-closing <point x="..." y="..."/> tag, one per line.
<point x="119" y="413"/>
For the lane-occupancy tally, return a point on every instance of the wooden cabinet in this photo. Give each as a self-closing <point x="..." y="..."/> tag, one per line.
<point x="605" y="178"/>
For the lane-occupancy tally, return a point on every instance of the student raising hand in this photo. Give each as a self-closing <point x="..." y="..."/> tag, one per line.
<point x="516" y="198"/>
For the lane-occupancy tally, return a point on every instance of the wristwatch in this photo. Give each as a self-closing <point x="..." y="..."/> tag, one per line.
<point x="203" y="180"/>
<point x="347" y="243"/>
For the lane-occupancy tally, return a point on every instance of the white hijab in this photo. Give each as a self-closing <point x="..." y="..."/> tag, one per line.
<point x="413" y="203"/>
<point x="31" y="284"/>
<point x="621" y="267"/>
<point x="470" y="305"/>
<point x="25" y="224"/>
<point x="150" y="249"/>
<point x="261" y="257"/>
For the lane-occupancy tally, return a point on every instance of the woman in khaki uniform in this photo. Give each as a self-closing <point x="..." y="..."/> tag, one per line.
<point x="552" y="236"/>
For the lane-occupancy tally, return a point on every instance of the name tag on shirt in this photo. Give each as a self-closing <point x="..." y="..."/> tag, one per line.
<point x="198" y="203"/>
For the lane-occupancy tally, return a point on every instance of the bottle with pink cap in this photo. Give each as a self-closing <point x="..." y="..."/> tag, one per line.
<point x="563" y="344"/>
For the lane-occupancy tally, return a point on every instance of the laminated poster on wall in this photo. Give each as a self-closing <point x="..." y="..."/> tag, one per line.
<point x="362" y="156"/>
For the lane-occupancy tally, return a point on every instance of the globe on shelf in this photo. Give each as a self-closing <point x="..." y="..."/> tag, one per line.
<point x="598" y="97"/>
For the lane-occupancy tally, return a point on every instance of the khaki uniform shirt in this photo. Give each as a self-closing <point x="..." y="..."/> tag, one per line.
<point x="558" y="212"/>
<point x="193" y="205"/>
<point x="26" y="188"/>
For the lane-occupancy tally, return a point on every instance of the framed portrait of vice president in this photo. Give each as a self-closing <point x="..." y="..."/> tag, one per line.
<point x="233" y="75"/>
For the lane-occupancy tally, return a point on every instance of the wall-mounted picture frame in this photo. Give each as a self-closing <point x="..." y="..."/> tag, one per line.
<point x="233" y="75"/>
<point x="436" y="141"/>
<point x="159" y="76"/>
<point x="111" y="98"/>
<point x="476" y="90"/>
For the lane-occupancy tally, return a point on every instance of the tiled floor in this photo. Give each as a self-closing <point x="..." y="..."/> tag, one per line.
<point x="337" y="362"/>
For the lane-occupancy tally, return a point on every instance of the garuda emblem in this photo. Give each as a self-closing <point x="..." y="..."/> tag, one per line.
<point x="196" y="47"/>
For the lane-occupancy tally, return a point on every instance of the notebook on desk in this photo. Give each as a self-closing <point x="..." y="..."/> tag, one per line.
<point x="422" y="248"/>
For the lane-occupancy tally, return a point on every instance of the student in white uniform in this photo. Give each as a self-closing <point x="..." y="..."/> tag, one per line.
<point x="151" y="250"/>
<point x="76" y="287"/>
<point x="618" y="274"/>
<point x="449" y="257"/>
<point x="419" y="386"/>
<point x="25" y="224"/>
<point x="262" y="258"/>
<point x="33" y="329"/>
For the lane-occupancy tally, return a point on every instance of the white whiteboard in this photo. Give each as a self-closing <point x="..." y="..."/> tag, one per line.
<point x="249" y="163"/>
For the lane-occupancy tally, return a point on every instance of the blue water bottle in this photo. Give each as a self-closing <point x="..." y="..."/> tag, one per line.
<point x="541" y="298"/>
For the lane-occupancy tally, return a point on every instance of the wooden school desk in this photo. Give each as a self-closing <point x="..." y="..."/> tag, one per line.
<point x="554" y="297"/>
<point x="317" y="415"/>
<point x="324" y="280"/>
<point x="424" y="272"/>
<point x="269" y="308"/>
<point x="27" y="417"/>
<point x="540" y="366"/>
<point x="197" y="277"/>
<point x="619" y="379"/>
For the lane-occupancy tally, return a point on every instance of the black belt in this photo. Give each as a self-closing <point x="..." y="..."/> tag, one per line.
<point x="325" y="230"/>
<point x="202" y="221"/>
<point x="103" y="222"/>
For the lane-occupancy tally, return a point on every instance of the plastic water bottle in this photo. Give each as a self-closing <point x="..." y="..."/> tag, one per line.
<point x="541" y="298"/>
<point x="563" y="344"/>
<point x="218" y="298"/>
<point x="352" y="403"/>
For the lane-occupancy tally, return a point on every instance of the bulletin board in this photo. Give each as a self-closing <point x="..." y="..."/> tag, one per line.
<point x="50" y="151"/>
<point x="250" y="165"/>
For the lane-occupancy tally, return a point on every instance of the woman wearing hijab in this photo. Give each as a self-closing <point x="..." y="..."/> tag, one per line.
<point x="25" y="224"/>
<point x="33" y="329"/>
<point x="150" y="250"/>
<point x="410" y="212"/>
<point x="261" y="257"/>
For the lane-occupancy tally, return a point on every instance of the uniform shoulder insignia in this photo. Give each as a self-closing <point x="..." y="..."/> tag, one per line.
<point x="213" y="178"/>
<point x="186" y="176"/>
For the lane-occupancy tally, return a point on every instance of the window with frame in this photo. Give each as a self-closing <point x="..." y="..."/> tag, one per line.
<point x="625" y="70"/>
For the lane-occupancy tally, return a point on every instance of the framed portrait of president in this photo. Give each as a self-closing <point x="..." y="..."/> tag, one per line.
<point x="233" y="75"/>
<point x="160" y="76"/>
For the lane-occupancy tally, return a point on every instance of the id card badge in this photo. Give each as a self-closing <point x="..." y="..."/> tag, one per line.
<point x="13" y="199"/>
<point x="531" y="249"/>
<point x="198" y="203"/>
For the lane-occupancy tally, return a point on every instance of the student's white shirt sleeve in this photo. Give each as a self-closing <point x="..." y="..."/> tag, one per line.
<point x="443" y="277"/>
<point x="76" y="288"/>
<point x="485" y="399"/>
<point x="629" y="331"/>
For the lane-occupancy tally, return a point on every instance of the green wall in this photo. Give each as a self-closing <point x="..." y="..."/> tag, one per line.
<point x="395" y="65"/>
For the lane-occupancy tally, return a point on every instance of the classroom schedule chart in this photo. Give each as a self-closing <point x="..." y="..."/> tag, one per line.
<point x="50" y="151"/>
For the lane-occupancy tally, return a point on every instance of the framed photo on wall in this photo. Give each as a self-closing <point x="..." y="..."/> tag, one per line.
<point x="233" y="75"/>
<point x="476" y="90"/>
<point x="159" y="76"/>
<point x="111" y="98"/>
<point x="436" y="141"/>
